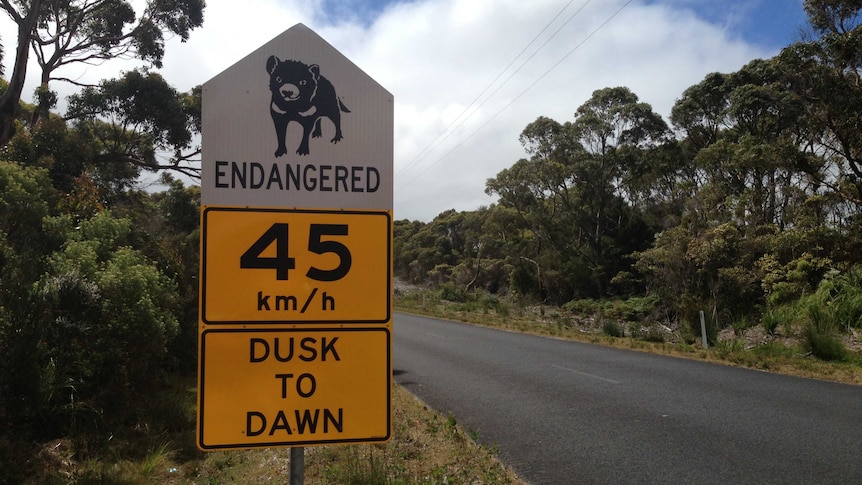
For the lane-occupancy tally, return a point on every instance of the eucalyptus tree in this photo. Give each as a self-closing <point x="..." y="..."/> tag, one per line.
<point x="65" y="32"/>
<point x="826" y="72"/>
<point x="740" y="150"/>
<point x="541" y="191"/>
<point x="774" y="153"/>
<point x="620" y="135"/>
<point x="581" y="188"/>
<point x="139" y="121"/>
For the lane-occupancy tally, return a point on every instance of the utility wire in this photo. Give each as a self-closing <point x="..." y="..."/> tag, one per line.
<point x="492" y="118"/>
<point x="450" y="128"/>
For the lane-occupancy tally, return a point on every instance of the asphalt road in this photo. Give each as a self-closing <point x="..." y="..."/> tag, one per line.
<point x="565" y="412"/>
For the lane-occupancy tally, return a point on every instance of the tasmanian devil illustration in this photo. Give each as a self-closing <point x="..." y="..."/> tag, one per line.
<point x="301" y="94"/>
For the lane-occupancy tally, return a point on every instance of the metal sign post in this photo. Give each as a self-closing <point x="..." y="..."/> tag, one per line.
<point x="297" y="465"/>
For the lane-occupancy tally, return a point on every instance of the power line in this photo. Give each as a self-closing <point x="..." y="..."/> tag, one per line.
<point x="492" y="118"/>
<point x="450" y="129"/>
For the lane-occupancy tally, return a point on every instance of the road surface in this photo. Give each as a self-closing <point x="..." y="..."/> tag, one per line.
<point x="565" y="412"/>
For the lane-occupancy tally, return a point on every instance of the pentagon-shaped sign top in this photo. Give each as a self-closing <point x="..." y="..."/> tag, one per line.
<point x="295" y="124"/>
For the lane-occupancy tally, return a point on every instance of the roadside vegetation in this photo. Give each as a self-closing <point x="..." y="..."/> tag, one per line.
<point x="797" y="341"/>
<point x="426" y="448"/>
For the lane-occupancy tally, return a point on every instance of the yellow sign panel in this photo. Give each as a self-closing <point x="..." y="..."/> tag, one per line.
<point x="263" y="266"/>
<point x="293" y="387"/>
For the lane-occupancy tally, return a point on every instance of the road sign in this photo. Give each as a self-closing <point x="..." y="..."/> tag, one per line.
<point x="293" y="387"/>
<point x="296" y="250"/>
<point x="297" y="124"/>
<point x="294" y="266"/>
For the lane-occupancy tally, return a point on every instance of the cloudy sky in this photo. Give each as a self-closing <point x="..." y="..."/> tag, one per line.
<point x="469" y="75"/>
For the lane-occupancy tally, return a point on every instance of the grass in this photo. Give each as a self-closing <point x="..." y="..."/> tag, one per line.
<point x="588" y="321"/>
<point x="426" y="448"/>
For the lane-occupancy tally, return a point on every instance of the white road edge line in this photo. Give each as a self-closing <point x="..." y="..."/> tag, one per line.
<point x="585" y="374"/>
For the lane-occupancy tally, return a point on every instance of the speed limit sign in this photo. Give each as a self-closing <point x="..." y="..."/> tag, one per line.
<point x="295" y="266"/>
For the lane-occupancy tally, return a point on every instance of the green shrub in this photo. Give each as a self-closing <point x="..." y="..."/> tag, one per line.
<point x="629" y="310"/>
<point x="653" y="334"/>
<point x="635" y="309"/>
<point x="771" y="320"/>
<point x="491" y="303"/>
<point x="450" y="292"/>
<point x="821" y="334"/>
<point x="842" y="294"/>
<point x="740" y="326"/>
<point x="586" y="306"/>
<point x="726" y="348"/>
<point x="825" y="344"/>
<point x="503" y="310"/>
<point x="773" y="349"/>
<point x="613" y="329"/>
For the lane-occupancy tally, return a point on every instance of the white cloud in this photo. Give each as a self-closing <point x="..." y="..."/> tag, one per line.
<point x="436" y="56"/>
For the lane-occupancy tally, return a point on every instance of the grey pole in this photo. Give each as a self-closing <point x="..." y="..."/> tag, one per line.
<point x="297" y="465"/>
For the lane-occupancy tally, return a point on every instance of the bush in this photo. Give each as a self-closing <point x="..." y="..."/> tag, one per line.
<point x="770" y="322"/>
<point x="629" y="310"/>
<point x="842" y="295"/>
<point x="585" y="307"/>
<point x="613" y="329"/>
<point x="653" y="334"/>
<point x="826" y="345"/>
<point x="821" y="336"/>
<point x="450" y="292"/>
<point x="773" y="350"/>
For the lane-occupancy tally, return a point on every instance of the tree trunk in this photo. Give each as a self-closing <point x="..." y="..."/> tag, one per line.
<point x="10" y="98"/>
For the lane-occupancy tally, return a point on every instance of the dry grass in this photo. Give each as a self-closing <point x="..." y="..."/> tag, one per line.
<point x="783" y="356"/>
<point x="426" y="447"/>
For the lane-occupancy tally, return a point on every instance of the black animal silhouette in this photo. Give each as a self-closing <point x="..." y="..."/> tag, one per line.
<point x="301" y="94"/>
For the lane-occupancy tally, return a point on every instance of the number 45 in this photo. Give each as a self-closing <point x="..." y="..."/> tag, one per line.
<point x="282" y="263"/>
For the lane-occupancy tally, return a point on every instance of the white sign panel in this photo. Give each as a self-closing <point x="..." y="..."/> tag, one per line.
<point x="299" y="126"/>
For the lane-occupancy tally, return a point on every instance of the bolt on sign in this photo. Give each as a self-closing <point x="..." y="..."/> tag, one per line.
<point x="296" y="250"/>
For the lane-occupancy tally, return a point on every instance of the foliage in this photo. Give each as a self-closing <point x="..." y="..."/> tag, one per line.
<point x="98" y="295"/>
<point x="841" y="295"/>
<point x="824" y="343"/>
<point x="832" y="309"/>
<point x="450" y="292"/>
<point x="750" y="205"/>
<point x="87" y="31"/>
<point x="613" y="329"/>
<point x="821" y="333"/>
<point x="86" y="317"/>
<point x="579" y="193"/>
<point x="635" y="309"/>
<point x="652" y="333"/>
<point x="146" y="115"/>
<point x="99" y="337"/>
